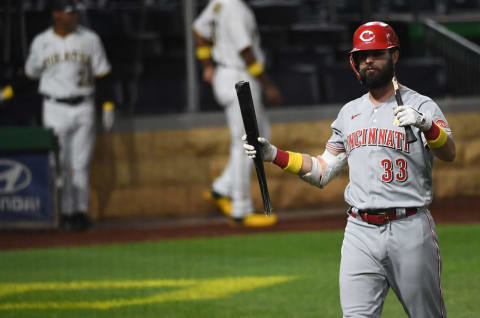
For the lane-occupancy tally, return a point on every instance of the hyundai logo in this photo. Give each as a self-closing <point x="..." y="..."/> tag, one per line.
<point x="14" y="176"/>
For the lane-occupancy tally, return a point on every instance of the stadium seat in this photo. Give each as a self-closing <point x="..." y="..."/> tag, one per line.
<point x="463" y="4"/>
<point x="426" y="75"/>
<point x="308" y="34"/>
<point x="338" y="83"/>
<point x="298" y="84"/>
<point x="275" y="13"/>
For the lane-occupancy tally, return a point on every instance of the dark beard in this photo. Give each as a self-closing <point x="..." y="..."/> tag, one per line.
<point x="381" y="79"/>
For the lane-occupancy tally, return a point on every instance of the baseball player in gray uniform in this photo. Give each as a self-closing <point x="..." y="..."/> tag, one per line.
<point x="68" y="59"/>
<point x="390" y="239"/>
<point x="228" y="45"/>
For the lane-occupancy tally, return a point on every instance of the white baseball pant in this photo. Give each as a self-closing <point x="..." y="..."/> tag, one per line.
<point x="75" y="127"/>
<point x="234" y="181"/>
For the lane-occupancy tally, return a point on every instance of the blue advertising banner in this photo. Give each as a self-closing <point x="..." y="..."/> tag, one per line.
<point x="26" y="189"/>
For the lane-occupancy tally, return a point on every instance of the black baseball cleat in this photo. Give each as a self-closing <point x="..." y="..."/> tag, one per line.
<point x="65" y="222"/>
<point x="81" y="222"/>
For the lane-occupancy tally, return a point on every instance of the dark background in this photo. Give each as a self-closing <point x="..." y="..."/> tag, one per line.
<point x="306" y="43"/>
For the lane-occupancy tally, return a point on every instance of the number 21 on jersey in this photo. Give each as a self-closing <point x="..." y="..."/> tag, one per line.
<point x="85" y="77"/>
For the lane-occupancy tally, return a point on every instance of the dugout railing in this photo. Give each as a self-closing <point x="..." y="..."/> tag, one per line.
<point x="462" y="58"/>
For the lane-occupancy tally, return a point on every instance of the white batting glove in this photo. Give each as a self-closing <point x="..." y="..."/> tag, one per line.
<point x="268" y="151"/>
<point x="108" y="118"/>
<point x="407" y="115"/>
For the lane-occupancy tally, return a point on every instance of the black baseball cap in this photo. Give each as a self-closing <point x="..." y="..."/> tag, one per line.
<point x="67" y="6"/>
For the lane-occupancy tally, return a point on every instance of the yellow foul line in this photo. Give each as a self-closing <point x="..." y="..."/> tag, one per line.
<point x="185" y="290"/>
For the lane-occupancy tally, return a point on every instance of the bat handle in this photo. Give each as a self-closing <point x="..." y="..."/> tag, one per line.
<point x="410" y="135"/>
<point x="408" y="130"/>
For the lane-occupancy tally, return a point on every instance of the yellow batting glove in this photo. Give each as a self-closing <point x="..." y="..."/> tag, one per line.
<point x="6" y="93"/>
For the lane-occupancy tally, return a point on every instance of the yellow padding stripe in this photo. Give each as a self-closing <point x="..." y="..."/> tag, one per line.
<point x="204" y="52"/>
<point x="255" y="69"/>
<point x="108" y="106"/>
<point x="295" y="161"/>
<point x="7" y="92"/>
<point x="440" y="141"/>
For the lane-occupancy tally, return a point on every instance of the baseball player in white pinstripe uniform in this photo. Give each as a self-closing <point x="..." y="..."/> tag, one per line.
<point x="68" y="59"/>
<point x="228" y="45"/>
<point x="390" y="239"/>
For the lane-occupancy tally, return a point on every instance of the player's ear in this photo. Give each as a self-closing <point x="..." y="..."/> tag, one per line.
<point x="395" y="55"/>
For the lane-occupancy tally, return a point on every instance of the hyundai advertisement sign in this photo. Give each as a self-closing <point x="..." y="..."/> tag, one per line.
<point x="26" y="190"/>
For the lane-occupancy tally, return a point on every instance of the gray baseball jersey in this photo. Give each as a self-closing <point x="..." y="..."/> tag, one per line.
<point x="385" y="171"/>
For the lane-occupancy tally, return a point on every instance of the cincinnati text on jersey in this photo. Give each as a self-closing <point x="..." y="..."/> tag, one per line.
<point x="73" y="56"/>
<point x="382" y="137"/>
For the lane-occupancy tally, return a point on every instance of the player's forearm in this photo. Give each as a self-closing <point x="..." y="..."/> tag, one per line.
<point x="19" y="86"/>
<point x="254" y="67"/>
<point x="441" y="143"/>
<point x="293" y="162"/>
<point x="318" y="171"/>
<point x="447" y="152"/>
<point x="104" y="88"/>
<point x="257" y="70"/>
<point x="203" y="50"/>
<point x="306" y="164"/>
<point x="286" y="160"/>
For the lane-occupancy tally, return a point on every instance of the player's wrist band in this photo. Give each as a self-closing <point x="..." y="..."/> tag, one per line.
<point x="108" y="106"/>
<point x="289" y="161"/>
<point x="203" y="52"/>
<point x="255" y="69"/>
<point x="436" y="136"/>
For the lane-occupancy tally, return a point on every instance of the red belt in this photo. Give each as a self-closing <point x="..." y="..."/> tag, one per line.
<point x="381" y="217"/>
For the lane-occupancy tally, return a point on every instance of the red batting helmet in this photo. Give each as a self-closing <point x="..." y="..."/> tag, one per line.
<point x="374" y="35"/>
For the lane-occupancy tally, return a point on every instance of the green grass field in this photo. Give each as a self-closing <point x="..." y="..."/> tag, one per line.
<point x="263" y="275"/>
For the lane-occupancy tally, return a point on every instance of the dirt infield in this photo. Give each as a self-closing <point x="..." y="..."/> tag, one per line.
<point x="465" y="210"/>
